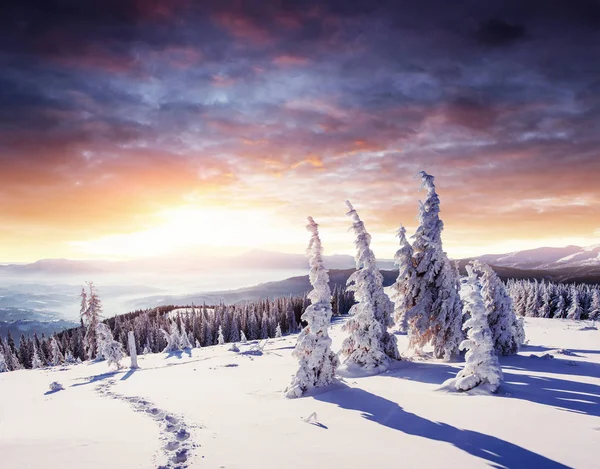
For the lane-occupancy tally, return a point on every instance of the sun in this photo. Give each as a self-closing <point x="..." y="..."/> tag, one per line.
<point x="210" y="230"/>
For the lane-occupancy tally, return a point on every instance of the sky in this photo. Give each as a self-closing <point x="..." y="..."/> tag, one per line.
<point x="149" y="127"/>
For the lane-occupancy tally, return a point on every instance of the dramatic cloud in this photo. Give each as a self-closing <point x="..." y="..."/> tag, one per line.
<point x="114" y="111"/>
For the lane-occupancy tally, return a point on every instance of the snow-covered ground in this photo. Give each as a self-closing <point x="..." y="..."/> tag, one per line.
<point x="213" y="408"/>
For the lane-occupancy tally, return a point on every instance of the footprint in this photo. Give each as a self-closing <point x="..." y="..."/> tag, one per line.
<point x="171" y="419"/>
<point x="182" y="435"/>
<point x="172" y="445"/>
<point x="180" y="456"/>
<point x="172" y="428"/>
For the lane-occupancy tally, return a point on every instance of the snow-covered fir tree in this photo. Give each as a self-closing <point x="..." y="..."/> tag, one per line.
<point x="132" y="349"/>
<point x="481" y="368"/>
<point x="369" y="344"/>
<point x="36" y="361"/>
<point x="436" y="318"/>
<point x="595" y="305"/>
<point x="108" y="347"/>
<point x="500" y="312"/>
<point x="278" y="331"/>
<point x="91" y="311"/>
<point x="57" y="356"/>
<point x="575" y="309"/>
<point x="317" y="362"/>
<point x="243" y="338"/>
<point x="220" y="337"/>
<point x="403" y="290"/>
<point x="3" y="365"/>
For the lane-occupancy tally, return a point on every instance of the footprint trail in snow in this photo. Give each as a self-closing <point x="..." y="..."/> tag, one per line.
<point x="177" y="448"/>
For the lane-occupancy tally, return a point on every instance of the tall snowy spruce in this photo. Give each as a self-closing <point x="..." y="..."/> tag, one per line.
<point x="369" y="344"/>
<point x="403" y="290"/>
<point x="436" y="318"/>
<point x="501" y="314"/>
<point x="317" y="363"/>
<point x="481" y="368"/>
<point x="132" y="349"/>
<point x="91" y="311"/>
<point x="108" y="347"/>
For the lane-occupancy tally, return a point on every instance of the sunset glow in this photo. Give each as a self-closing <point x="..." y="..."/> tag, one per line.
<point x="146" y="128"/>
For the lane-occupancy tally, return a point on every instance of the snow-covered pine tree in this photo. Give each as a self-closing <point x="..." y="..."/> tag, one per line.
<point x="108" y="347"/>
<point x="481" y="368"/>
<point x="369" y="344"/>
<point x="243" y="339"/>
<point x="91" y="311"/>
<point x="132" y="349"/>
<point x="278" y="331"/>
<point x="220" y="338"/>
<point x="36" y="361"/>
<point x="3" y="365"/>
<point x="595" y="305"/>
<point x="317" y="362"/>
<point x="436" y="317"/>
<point x="575" y="309"/>
<point x="560" y="306"/>
<point x="57" y="356"/>
<point x="500" y="312"/>
<point x="403" y="289"/>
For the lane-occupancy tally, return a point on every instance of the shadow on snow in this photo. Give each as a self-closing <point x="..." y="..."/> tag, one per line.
<point x="499" y="453"/>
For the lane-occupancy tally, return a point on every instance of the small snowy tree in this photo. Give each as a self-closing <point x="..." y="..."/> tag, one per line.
<point x="57" y="356"/>
<point x="3" y="365"/>
<point x="220" y="338"/>
<point x="500" y="312"/>
<point x="147" y="349"/>
<point x="132" y="349"/>
<point x="369" y="344"/>
<point x="575" y="309"/>
<point x="436" y="318"/>
<point x="404" y="289"/>
<point x="595" y="305"/>
<point x="519" y="330"/>
<point x="243" y="338"/>
<point x="91" y="311"/>
<point x="317" y="362"/>
<point x="36" y="361"/>
<point x="108" y="347"/>
<point x="481" y="368"/>
<point x="278" y="331"/>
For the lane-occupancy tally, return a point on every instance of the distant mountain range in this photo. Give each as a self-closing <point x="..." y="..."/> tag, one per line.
<point x="547" y="258"/>
<point x="40" y="295"/>
<point x="255" y="259"/>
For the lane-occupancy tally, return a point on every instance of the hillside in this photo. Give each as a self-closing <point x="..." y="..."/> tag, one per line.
<point x="214" y="408"/>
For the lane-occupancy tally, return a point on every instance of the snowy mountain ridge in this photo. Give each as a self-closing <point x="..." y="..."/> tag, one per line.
<point x="547" y="258"/>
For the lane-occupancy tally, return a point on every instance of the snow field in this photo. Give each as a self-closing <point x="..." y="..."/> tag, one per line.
<point x="545" y="415"/>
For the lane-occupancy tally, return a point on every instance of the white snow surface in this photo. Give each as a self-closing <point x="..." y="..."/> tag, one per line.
<point x="230" y="411"/>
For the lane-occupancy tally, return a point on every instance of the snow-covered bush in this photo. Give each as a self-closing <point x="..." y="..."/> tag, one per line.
<point x="481" y="368"/>
<point x="55" y="386"/>
<point x="243" y="338"/>
<point x="278" y="331"/>
<point x="317" y="362"/>
<point x="108" y="347"/>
